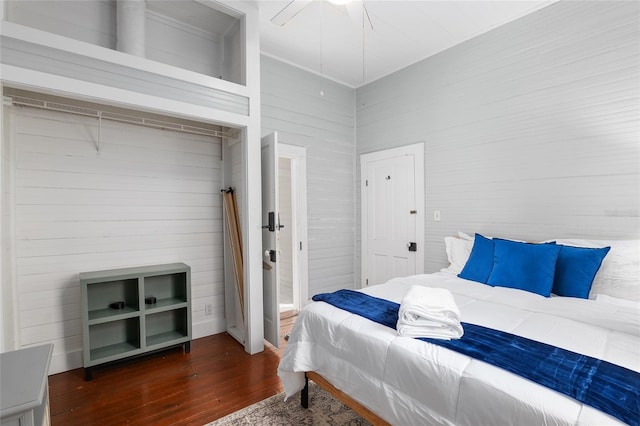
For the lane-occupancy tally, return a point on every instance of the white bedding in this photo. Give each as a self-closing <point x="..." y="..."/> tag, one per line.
<point x="411" y="382"/>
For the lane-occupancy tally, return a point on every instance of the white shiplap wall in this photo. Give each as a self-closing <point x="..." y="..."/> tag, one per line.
<point x="92" y="21"/>
<point x="531" y="130"/>
<point x="174" y="43"/>
<point x="232" y="63"/>
<point x="293" y="106"/>
<point x="147" y="197"/>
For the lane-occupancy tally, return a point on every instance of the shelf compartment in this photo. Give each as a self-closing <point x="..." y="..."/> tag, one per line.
<point x="101" y="295"/>
<point x="166" y="338"/>
<point x="114" y="339"/>
<point x="105" y="315"/>
<point x="165" y="305"/>
<point x="167" y="327"/>
<point x="168" y="289"/>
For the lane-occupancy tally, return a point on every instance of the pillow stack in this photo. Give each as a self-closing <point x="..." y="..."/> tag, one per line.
<point x="538" y="268"/>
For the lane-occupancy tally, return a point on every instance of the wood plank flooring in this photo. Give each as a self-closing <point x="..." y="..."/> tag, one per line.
<point x="170" y="387"/>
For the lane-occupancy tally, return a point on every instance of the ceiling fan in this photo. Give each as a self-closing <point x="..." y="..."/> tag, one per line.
<point x="356" y="10"/>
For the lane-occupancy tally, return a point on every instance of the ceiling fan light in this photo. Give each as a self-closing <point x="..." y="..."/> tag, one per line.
<point x="340" y="2"/>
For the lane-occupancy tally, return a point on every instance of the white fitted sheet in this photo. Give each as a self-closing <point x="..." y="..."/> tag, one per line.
<point x="410" y="382"/>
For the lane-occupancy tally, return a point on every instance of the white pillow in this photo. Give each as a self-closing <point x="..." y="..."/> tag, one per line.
<point x="619" y="274"/>
<point x="466" y="236"/>
<point x="458" y="251"/>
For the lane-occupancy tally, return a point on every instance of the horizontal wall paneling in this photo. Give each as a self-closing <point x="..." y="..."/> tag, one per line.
<point x="293" y="106"/>
<point x="531" y="130"/>
<point x="147" y="197"/>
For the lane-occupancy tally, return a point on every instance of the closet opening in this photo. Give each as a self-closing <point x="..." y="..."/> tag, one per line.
<point x="89" y="186"/>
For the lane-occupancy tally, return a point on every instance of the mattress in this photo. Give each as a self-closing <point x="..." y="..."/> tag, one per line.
<point x="411" y="382"/>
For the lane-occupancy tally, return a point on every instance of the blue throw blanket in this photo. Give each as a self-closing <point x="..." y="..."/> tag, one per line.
<point x="607" y="387"/>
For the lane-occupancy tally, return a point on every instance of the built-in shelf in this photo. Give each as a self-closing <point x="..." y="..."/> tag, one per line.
<point x="110" y="333"/>
<point x="187" y="34"/>
<point x="186" y="71"/>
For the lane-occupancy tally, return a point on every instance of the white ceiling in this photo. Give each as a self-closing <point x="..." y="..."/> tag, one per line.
<point x="328" y="39"/>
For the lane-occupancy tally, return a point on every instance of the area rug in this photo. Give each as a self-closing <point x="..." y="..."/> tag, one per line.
<point x="323" y="410"/>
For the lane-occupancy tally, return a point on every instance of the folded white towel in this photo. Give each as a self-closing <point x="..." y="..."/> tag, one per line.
<point x="429" y="312"/>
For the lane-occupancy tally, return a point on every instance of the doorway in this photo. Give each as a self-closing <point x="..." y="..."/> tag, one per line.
<point x="292" y="208"/>
<point x="392" y="213"/>
<point x="289" y="252"/>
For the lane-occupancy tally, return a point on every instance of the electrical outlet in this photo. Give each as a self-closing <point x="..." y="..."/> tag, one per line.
<point x="436" y="215"/>
<point x="208" y="309"/>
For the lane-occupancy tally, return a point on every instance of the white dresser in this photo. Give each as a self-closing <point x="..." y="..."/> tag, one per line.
<point x="24" y="388"/>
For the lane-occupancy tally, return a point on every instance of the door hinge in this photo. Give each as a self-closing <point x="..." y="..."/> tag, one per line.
<point x="367" y="281"/>
<point x="300" y="245"/>
<point x="366" y="182"/>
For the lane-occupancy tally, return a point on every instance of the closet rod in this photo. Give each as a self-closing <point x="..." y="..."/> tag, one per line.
<point x="114" y="116"/>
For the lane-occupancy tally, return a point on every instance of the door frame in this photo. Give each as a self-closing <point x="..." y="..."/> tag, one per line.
<point x="417" y="150"/>
<point x="270" y="229"/>
<point x="300" y="260"/>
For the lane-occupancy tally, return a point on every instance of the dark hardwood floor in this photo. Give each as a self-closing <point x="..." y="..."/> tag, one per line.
<point x="170" y="387"/>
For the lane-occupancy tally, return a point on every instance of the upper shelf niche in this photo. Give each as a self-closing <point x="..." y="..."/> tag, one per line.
<point x="186" y="34"/>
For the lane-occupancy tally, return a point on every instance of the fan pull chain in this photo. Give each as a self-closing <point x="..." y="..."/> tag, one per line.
<point x="363" y="11"/>
<point x="321" y="45"/>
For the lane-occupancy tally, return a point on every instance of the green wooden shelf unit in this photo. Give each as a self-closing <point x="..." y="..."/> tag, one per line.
<point x="110" y="334"/>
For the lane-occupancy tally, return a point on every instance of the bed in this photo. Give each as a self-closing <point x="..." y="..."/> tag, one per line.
<point x="405" y="381"/>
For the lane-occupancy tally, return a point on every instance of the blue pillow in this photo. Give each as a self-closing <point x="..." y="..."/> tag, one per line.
<point x="480" y="262"/>
<point x="525" y="266"/>
<point x="575" y="270"/>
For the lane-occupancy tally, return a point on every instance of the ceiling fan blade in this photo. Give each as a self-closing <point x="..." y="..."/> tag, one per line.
<point x="289" y="11"/>
<point x="355" y="11"/>
<point x="366" y="13"/>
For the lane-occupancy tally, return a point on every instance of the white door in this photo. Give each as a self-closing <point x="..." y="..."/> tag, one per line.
<point x="270" y="249"/>
<point x="392" y="214"/>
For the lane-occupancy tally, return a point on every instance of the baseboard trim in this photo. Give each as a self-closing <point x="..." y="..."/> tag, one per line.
<point x="65" y="361"/>
<point x="208" y="328"/>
